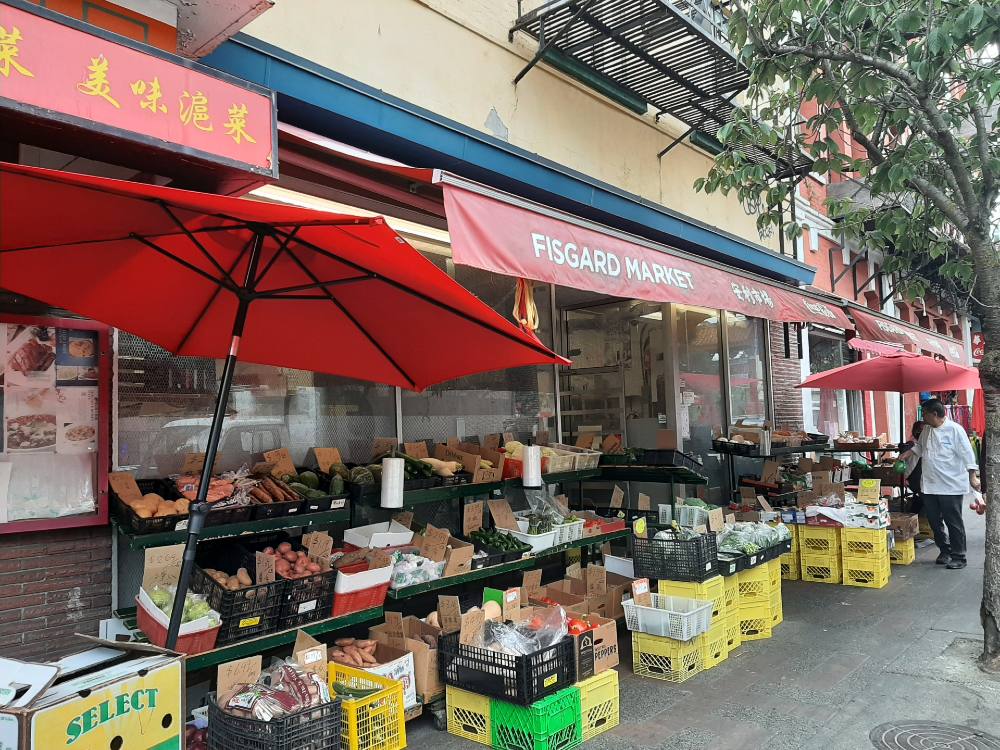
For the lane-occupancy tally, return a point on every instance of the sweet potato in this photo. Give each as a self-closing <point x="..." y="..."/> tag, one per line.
<point x="345" y="642"/>
<point x="364" y="643"/>
<point x="284" y="547"/>
<point x="244" y="577"/>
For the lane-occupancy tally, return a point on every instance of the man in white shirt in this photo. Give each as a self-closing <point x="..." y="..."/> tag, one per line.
<point x="949" y="469"/>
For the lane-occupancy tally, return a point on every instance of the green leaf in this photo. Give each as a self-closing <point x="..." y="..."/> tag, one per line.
<point x="938" y="40"/>
<point x="909" y="22"/>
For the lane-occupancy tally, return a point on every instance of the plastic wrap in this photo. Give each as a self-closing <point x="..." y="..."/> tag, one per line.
<point x="284" y="688"/>
<point x="545" y="629"/>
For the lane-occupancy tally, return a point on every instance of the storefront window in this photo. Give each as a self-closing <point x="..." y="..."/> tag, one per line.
<point x="701" y="406"/>
<point x="519" y="400"/>
<point x="747" y="379"/>
<point x="833" y="411"/>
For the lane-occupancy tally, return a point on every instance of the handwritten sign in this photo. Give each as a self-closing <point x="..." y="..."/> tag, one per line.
<point x="531" y="582"/>
<point x="472" y="627"/>
<point x="383" y="445"/>
<point x="282" y="460"/>
<point x="449" y="614"/>
<point x="617" y="497"/>
<point x="502" y="515"/>
<point x="416" y="450"/>
<point x="124" y="485"/>
<point x="265" y="568"/>
<point x="472" y="518"/>
<point x="327" y="457"/>
<point x="640" y="593"/>
<point x="644" y="501"/>
<point x="232" y="674"/>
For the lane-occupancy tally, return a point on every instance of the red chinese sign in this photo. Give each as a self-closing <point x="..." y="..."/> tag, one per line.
<point x="499" y="237"/>
<point x="57" y="68"/>
<point x="877" y="328"/>
<point x="978" y="346"/>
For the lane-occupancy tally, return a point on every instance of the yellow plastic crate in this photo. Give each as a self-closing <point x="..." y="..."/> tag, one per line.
<point x="904" y="553"/>
<point x="755" y="622"/>
<point x="732" y="593"/>
<point x="871" y="573"/>
<point x="820" y="568"/>
<point x="715" y="645"/>
<point x="819" y="540"/>
<point x="734" y="638"/>
<point x="871" y="543"/>
<point x="755" y="585"/>
<point x="713" y="590"/>
<point x="777" y="614"/>
<point x="599" y="705"/>
<point x="376" y="722"/>
<point x="774" y="569"/>
<point x="790" y="566"/>
<point x="925" y="526"/>
<point x="468" y="715"/>
<point x="666" y="659"/>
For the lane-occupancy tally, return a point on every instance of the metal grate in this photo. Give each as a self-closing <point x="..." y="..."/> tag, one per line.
<point x="924" y="735"/>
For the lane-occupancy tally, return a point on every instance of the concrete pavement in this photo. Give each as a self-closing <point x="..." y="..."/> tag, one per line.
<point x="844" y="661"/>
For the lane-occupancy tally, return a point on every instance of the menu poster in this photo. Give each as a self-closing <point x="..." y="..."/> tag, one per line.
<point x="30" y="421"/>
<point x="29" y="356"/>
<point x="76" y="357"/>
<point x="76" y="424"/>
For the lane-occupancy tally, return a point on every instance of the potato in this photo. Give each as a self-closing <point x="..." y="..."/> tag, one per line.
<point x="284" y="547"/>
<point x="291" y="557"/>
<point x="233" y="583"/>
<point x="165" y="508"/>
<point x="244" y="577"/>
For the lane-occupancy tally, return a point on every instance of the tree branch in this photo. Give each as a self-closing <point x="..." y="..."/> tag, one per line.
<point x="982" y="136"/>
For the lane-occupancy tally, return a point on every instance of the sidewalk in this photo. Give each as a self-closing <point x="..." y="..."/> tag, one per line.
<point x="844" y="661"/>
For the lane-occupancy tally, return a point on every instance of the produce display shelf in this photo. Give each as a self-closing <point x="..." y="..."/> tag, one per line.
<point x="145" y="541"/>
<point x="265" y="642"/>
<point x="655" y="474"/>
<point x="495" y="570"/>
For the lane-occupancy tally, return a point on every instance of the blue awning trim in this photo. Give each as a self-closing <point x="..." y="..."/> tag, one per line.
<point x="339" y="107"/>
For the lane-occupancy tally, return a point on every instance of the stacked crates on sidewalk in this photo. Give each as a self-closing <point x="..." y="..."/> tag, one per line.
<point x="755" y="601"/>
<point x="819" y="553"/>
<point x="715" y="642"/>
<point x="789" y="561"/>
<point x="599" y="706"/>
<point x="904" y="553"/>
<point x="865" y="557"/>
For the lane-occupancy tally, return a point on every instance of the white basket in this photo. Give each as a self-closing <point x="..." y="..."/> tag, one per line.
<point x="568" y="532"/>
<point x="691" y="516"/>
<point x="583" y="458"/>
<point x="666" y="514"/>
<point x="670" y="616"/>
<point x="538" y="542"/>
<point x="562" y="461"/>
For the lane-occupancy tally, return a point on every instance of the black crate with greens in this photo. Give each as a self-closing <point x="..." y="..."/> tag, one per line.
<point x="499" y="546"/>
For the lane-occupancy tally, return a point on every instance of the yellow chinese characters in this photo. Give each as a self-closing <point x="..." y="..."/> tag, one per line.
<point x="236" y="127"/>
<point x="9" y="50"/>
<point x="97" y="83"/>
<point x="151" y="95"/>
<point x="194" y="110"/>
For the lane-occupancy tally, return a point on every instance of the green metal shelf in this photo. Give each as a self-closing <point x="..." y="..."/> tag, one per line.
<point x="496" y="570"/>
<point x="265" y="642"/>
<point x="145" y="541"/>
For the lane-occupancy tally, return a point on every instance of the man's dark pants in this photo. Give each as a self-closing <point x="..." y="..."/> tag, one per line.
<point x="942" y="511"/>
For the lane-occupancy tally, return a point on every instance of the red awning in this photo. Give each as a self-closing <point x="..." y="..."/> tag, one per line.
<point x="872" y="347"/>
<point x="534" y="242"/>
<point x="877" y="328"/>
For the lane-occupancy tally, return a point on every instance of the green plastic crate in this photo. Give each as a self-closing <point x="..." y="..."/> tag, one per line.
<point x="553" y="723"/>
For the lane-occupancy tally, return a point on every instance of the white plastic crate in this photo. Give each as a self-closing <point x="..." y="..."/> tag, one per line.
<point x="691" y="516"/>
<point x="670" y="616"/>
<point x="538" y="542"/>
<point x="666" y="514"/>
<point x="568" y="532"/>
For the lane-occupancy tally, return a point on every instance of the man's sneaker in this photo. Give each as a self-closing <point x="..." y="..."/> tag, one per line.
<point x="957" y="564"/>
<point x="943" y="559"/>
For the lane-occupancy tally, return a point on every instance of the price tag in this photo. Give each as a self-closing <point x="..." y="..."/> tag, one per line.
<point x="327" y="457"/>
<point x="320" y="546"/>
<point x="449" y="614"/>
<point x="512" y="604"/>
<point x="640" y="593"/>
<point x="193" y="463"/>
<point x="232" y="674"/>
<point x="597" y="580"/>
<point x="383" y="445"/>
<point x="434" y="543"/>
<point x="265" y="568"/>
<point x="282" y="460"/>
<point x="644" y="501"/>
<point x="617" y="497"/>
<point x="125" y="486"/>
<point x="416" y="450"/>
<point x="472" y="627"/>
<point x="639" y="527"/>
<point x="472" y="518"/>
<point x="769" y="474"/>
<point x="573" y="571"/>
<point x="531" y="581"/>
<point x="502" y="515"/>
<point x="405" y="518"/>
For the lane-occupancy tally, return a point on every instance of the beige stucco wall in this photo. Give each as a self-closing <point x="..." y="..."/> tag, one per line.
<point x="453" y="58"/>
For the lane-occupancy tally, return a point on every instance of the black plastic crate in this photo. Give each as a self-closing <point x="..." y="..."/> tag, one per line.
<point x="314" y="728"/>
<point x="304" y="600"/>
<point x="496" y="556"/>
<point x="665" y="457"/>
<point x="676" y="559"/>
<point x="363" y="492"/>
<point x="277" y="510"/>
<point x="246" y="613"/>
<point x="516" y="679"/>
<point x="731" y="564"/>
<point x="232" y="514"/>
<point x="318" y="505"/>
<point x="461" y="477"/>
<point x="138" y="525"/>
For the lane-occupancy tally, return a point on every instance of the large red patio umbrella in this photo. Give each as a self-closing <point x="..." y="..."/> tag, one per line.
<point x="211" y="276"/>
<point x="898" y="372"/>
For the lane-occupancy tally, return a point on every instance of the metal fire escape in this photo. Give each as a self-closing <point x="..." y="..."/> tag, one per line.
<point x="671" y="54"/>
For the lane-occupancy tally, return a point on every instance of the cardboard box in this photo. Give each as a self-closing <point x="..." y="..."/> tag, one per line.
<point x="570" y="602"/>
<point x="88" y="699"/>
<point x="904" y="525"/>
<point x="376" y="535"/>
<point x="397" y="664"/>
<point x="596" y="650"/>
<point x="405" y="634"/>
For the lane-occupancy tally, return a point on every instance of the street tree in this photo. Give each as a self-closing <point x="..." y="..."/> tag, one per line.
<point x="901" y="96"/>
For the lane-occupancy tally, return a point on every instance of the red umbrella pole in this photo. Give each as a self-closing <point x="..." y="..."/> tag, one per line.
<point x="199" y="510"/>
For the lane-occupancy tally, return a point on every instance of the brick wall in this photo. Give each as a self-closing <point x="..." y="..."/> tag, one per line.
<point x="785" y="375"/>
<point x="52" y="585"/>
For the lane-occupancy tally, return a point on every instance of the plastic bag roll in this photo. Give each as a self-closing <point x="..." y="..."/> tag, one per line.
<point x="392" y="482"/>
<point x="532" y="474"/>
